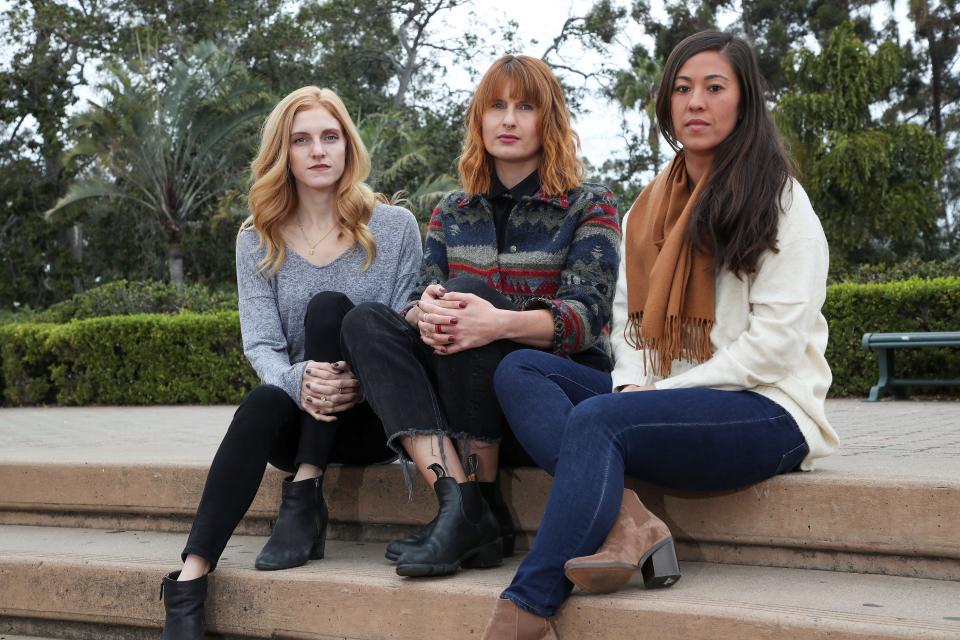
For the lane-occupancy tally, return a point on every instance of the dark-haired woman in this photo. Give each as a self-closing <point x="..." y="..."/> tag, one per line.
<point x="719" y="378"/>
<point x="525" y="255"/>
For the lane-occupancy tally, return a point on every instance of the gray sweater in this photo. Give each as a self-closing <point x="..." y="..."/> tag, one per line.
<point x="272" y="309"/>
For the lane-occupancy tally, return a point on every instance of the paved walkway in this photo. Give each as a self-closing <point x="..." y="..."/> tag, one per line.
<point x="903" y="439"/>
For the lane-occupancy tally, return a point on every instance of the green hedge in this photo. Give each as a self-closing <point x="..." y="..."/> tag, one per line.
<point x="138" y="359"/>
<point x="197" y="358"/>
<point x="910" y="305"/>
<point x="122" y="297"/>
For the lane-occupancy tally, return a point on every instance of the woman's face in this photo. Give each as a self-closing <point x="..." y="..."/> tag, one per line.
<point x="509" y="130"/>
<point x="317" y="149"/>
<point x="704" y="102"/>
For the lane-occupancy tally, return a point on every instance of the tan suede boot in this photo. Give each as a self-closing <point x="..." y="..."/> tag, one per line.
<point x="637" y="540"/>
<point x="510" y="622"/>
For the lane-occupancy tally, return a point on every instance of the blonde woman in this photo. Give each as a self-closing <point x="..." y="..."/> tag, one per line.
<point x="318" y="241"/>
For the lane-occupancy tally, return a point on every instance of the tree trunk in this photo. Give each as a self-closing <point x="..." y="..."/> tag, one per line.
<point x="175" y="263"/>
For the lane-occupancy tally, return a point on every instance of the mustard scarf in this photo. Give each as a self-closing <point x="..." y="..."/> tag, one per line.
<point x="670" y="297"/>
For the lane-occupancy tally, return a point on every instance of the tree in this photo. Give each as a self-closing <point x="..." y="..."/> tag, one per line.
<point x="872" y="184"/>
<point x="169" y="150"/>
<point x="48" y="44"/>
<point x="929" y="93"/>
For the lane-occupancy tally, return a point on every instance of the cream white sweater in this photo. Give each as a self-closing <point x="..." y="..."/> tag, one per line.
<point x="769" y="335"/>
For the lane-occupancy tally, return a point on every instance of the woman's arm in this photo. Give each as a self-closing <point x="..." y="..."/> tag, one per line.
<point x="580" y="310"/>
<point x="434" y="268"/>
<point x="411" y="255"/>
<point x="629" y="363"/>
<point x="264" y="342"/>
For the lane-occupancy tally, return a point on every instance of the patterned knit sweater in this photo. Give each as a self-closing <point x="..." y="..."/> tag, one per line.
<point x="560" y="254"/>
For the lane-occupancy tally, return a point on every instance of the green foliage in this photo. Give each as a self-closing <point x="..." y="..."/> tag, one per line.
<point x="873" y="185"/>
<point x="892" y="272"/>
<point x="45" y="44"/>
<point x="404" y="154"/>
<point x="127" y="298"/>
<point x="127" y="360"/>
<point x="169" y="152"/>
<point x="188" y="357"/>
<point x="911" y="305"/>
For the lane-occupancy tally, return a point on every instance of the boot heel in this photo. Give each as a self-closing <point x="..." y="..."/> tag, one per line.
<point x="660" y="568"/>
<point x="488" y="556"/>
<point x="509" y="543"/>
<point x="320" y="544"/>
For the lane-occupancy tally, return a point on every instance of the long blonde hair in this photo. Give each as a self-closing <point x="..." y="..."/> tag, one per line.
<point x="273" y="194"/>
<point x="532" y="80"/>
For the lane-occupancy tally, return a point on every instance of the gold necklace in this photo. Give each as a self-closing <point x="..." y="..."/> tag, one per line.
<point x="315" y="244"/>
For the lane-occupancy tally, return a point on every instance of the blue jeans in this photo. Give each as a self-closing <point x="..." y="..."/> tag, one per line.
<point x="587" y="438"/>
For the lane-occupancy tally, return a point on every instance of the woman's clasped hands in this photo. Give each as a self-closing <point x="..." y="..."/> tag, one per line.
<point x="328" y="388"/>
<point x="450" y="321"/>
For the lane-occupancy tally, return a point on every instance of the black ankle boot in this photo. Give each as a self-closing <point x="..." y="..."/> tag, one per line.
<point x="465" y="534"/>
<point x="301" y="528"/>
<point x="183" y="602"/>
<point x="491" y="493"/>
<point x="398" y="547"/>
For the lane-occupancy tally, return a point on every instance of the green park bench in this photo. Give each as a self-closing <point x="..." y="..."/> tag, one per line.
<point x="885" y="344"/>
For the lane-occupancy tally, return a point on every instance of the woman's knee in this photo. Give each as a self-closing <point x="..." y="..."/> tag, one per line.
<point x="590" y="421"/>
<point x="517" y="365"/>
<point x="479" y="288"/>
<point x="261" y="410"/>
<point x="325" y="312"/>
<point x="361" y="322"/>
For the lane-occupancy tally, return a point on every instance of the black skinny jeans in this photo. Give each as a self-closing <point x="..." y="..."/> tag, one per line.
<point x="415" y="392"/>
<point x="269" y="427"/>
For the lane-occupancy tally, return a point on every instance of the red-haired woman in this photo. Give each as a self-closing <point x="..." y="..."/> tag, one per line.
<point x="525" y="255"/>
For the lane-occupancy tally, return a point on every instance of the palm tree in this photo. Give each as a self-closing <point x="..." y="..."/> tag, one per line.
<point x="400" y="159"/>
<point x="169" y="147"/>
<point x="636" y="88"/>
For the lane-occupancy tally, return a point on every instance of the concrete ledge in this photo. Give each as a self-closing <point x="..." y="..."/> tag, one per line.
<point x="817" y="520"/>
<point x="98" y="577"/>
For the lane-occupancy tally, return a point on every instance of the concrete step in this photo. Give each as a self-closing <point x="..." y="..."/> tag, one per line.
<point x="96" y="577"/>
<point x="888" y="504"/>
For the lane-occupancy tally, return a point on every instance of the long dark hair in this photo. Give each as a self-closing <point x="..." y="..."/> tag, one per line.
<point x="737" y="216"/>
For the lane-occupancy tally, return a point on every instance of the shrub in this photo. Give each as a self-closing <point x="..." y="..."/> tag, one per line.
<point x="140" y="359"/>
<point x="897" y="271"/>
<point x="910" y="305"/>
<point x="197" y="358"/>
<point x="151" y="296"/>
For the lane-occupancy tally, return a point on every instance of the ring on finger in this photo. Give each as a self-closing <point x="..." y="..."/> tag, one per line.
<point x="324" y="398"/>
<point x="438" y="328"/>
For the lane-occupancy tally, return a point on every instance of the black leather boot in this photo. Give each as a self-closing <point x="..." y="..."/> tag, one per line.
<point x="398" y="547"/>
<point x="491" y="493"/>
<point x="465" y="534"/>
<point x="301" y="528"/>
<point x="183" y="602"/>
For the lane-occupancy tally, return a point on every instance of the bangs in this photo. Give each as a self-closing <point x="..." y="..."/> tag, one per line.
<point x="525" y="84"/>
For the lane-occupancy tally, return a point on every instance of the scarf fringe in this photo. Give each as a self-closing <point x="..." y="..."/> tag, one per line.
<point x="683" y="339"/>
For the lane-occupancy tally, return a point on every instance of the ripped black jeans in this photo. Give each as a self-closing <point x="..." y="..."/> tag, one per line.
<point x="415" y="392"/>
